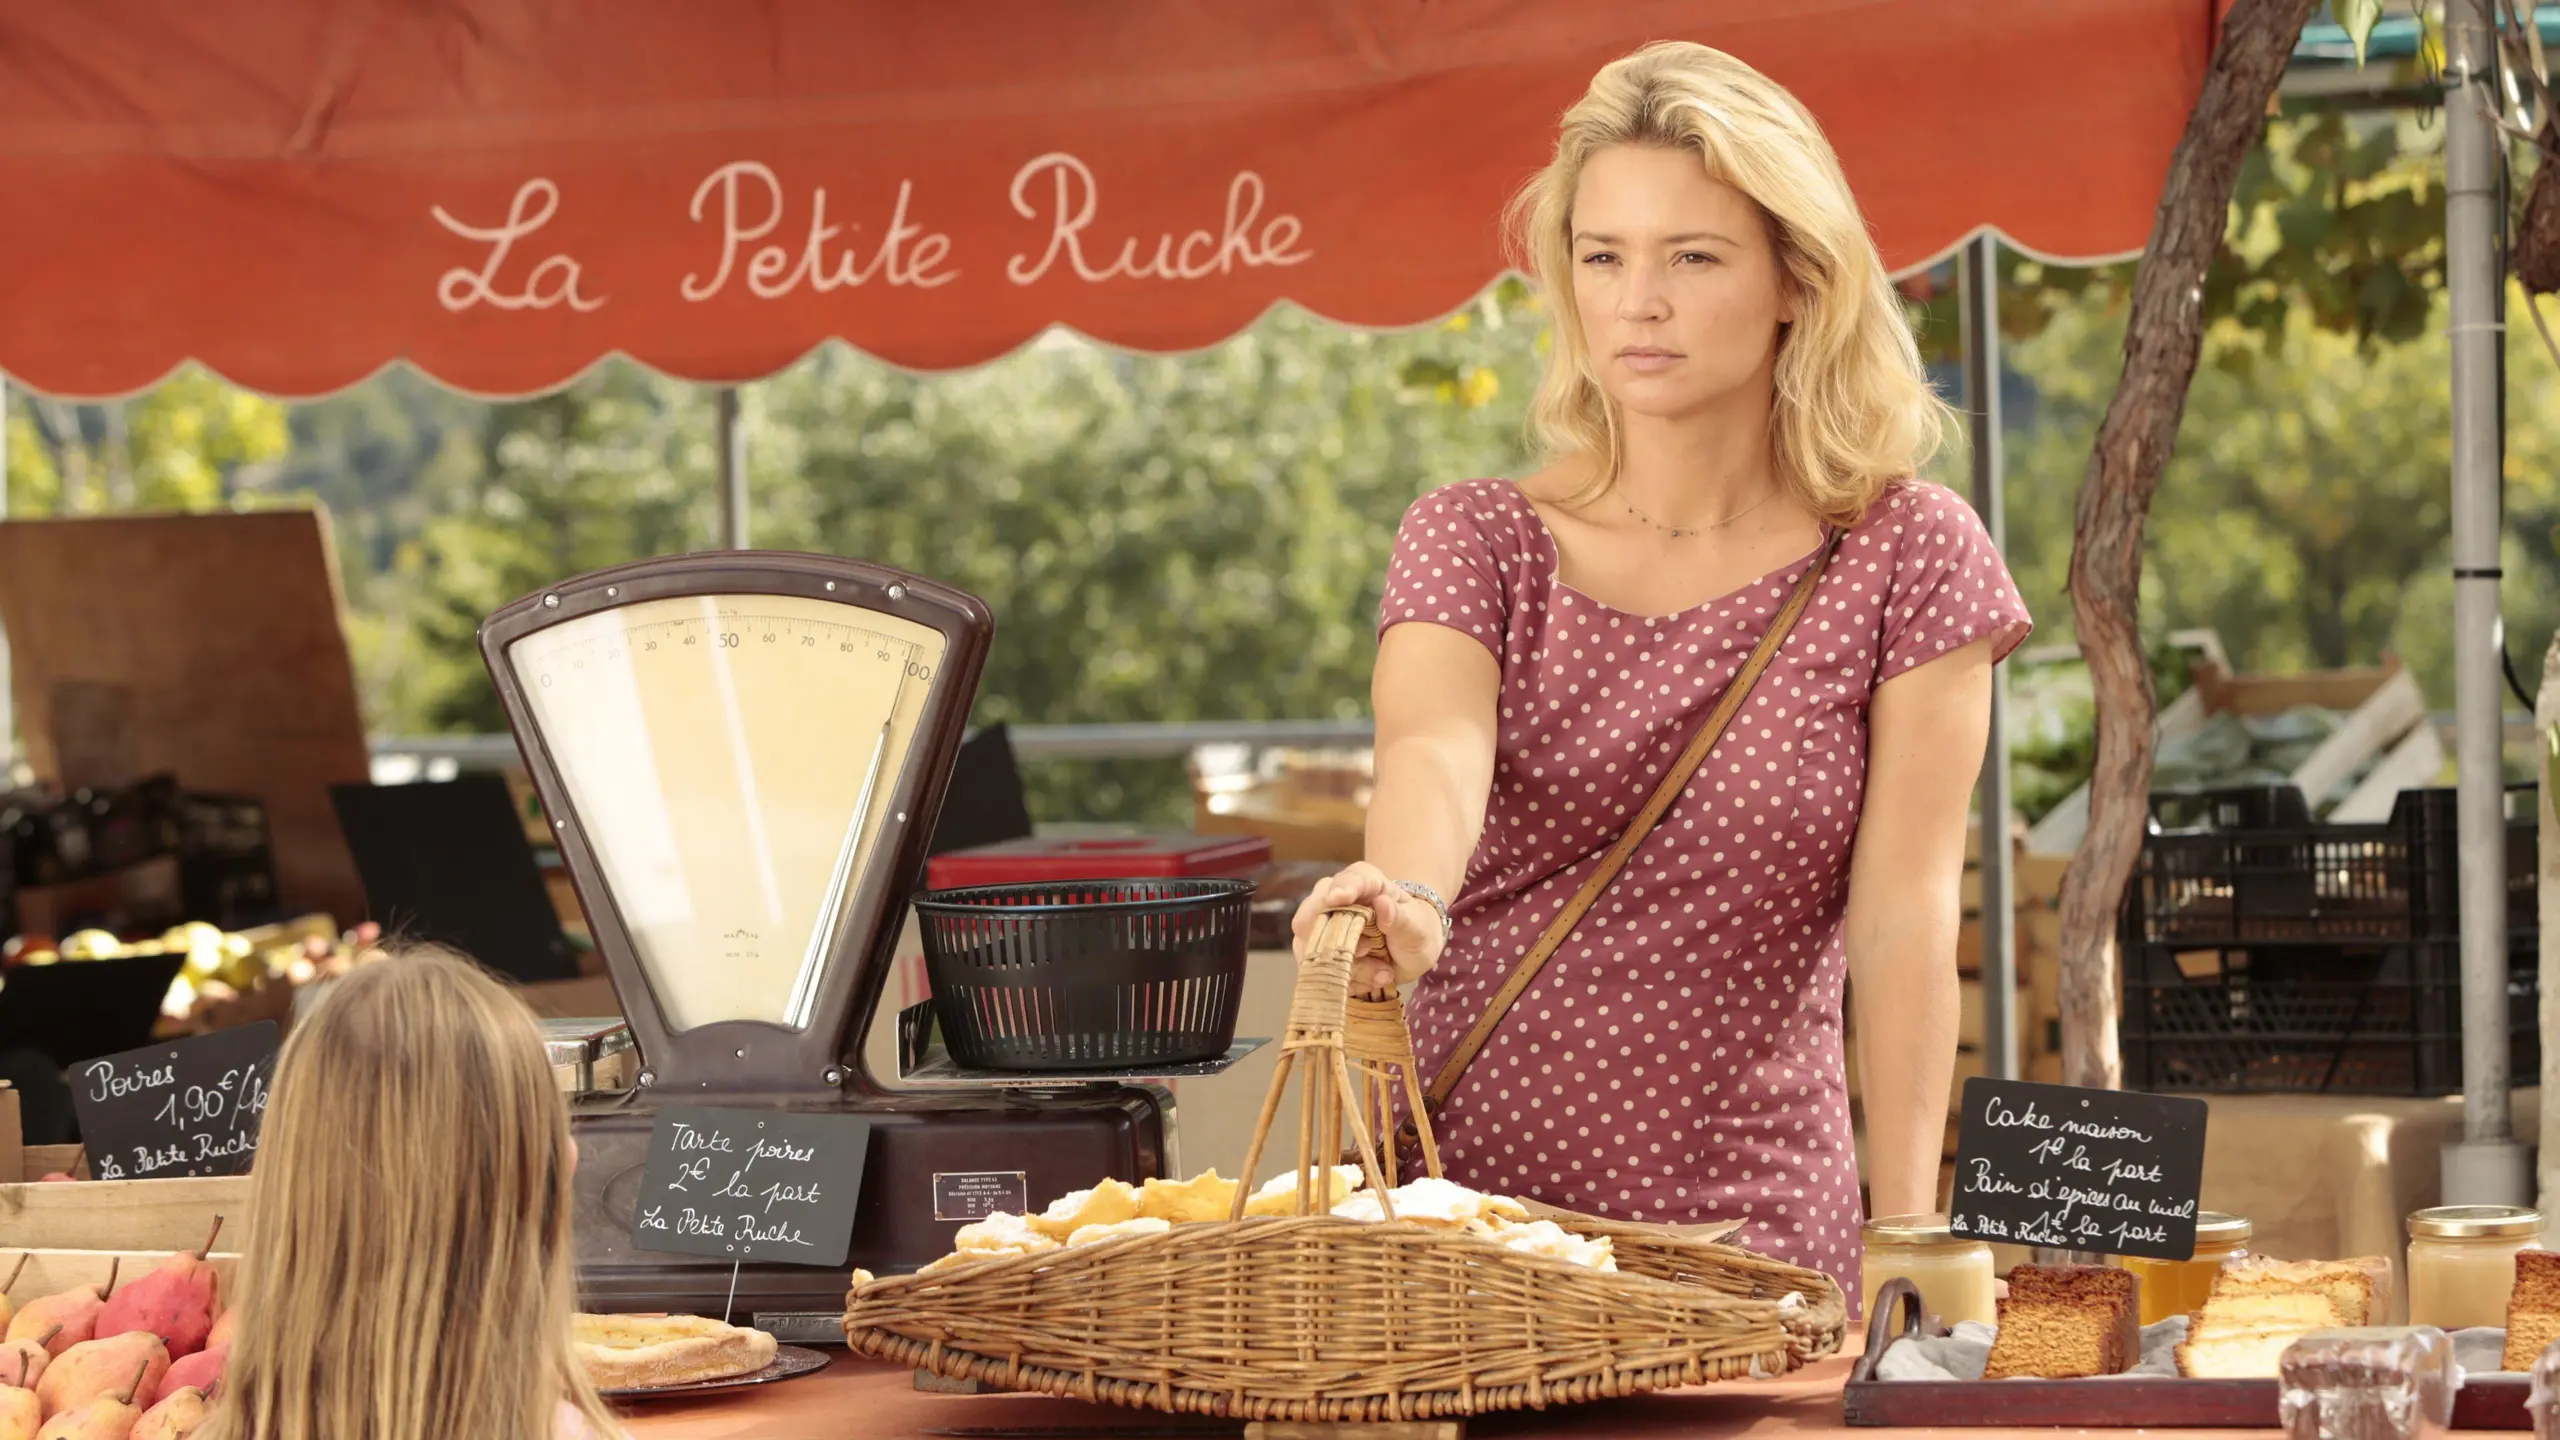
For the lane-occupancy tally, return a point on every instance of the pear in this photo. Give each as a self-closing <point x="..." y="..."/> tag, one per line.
<point x="174" y="1418"/>
<point x="69" y="1317"/>
<point x="98" y="1368"/>
<point x="198" y="1371"/>
<point x="21" y="1414"/>
<point x="107" y="1417"/>
<point x="6" y="1309"/>
<point x="220" y="1335"/>
<point x="22" y="1362"/>
<point x="175" y="1302"/>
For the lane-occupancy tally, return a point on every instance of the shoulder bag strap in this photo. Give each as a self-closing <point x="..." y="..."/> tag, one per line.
<point x="1727" y="705"/>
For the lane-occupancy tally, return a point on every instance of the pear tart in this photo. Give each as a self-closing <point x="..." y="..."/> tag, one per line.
<point x="648" y="1352"/>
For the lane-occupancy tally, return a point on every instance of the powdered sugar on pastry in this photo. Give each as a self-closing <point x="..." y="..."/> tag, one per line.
<point x="1095" y="1234"/>
<point x="1545" y="1237"/>
<point x="1003" y="1234"/>
<point x="1280" y="1195"/>
<point x="1424" y="1202"/>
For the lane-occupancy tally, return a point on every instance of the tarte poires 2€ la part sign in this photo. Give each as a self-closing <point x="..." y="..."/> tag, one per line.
<point x="751" y="1185"/>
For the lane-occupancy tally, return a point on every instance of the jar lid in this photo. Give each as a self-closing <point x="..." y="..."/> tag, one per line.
<point x="2217" y="1228"/>
<point x="1908" y="1230"/>
<point x="2476" y="1222"/>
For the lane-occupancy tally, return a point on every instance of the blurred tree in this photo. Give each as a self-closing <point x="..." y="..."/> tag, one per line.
<point x="174" y="447"/>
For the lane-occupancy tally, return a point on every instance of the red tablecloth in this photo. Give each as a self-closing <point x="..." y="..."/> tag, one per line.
<point x="857" y="1398"/>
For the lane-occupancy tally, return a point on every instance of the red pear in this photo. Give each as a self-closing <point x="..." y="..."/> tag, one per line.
<point x="70" y="1317"/>
<point x="21" y="1414"/>
<point x="175" y="1302"/>
<point x="108" y="1417"/>
<point x="22" y="1362"/>
<point x="198" y="1371"/>
<point x="95" y="1369"/>
<point x="175" y="1417"/>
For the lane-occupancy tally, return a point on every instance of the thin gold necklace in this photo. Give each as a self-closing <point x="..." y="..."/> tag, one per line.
<point x="1678" y="531"/>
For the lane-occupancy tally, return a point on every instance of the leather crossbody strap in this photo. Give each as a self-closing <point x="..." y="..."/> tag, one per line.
<point x="1677" y="779"/>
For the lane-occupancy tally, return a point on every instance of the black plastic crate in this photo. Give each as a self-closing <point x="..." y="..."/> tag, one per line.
<point x="1083" y="974"/>
<point x="2246" y="867"/>
<point x="2341" y="1019"/>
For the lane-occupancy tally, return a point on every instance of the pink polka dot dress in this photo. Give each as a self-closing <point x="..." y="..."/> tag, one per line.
<point x="1680" y="1058"/>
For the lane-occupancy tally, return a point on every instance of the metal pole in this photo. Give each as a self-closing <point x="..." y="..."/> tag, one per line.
<point x="2487" y="1167"/>
<point x="1980" y="290"/>
<point x="733" y="471"/>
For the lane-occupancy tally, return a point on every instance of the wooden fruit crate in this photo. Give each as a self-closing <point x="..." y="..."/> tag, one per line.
<point x="51" y="1271"/>
<point x="122" y="1215"/>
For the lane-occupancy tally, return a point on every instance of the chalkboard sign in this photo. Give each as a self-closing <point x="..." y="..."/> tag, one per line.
<point x="751" y="1185"/>
<point x="2110" y="1171"/>
<point x="189" y="1107"/>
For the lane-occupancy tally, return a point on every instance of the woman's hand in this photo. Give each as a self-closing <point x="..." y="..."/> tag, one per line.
<point x="1408" y="940"/>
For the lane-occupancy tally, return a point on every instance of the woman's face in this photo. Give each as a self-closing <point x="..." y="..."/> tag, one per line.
<point x="1677" y="280"/>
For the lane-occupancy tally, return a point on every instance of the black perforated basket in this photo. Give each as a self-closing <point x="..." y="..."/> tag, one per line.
<point x="1087" y="974"/>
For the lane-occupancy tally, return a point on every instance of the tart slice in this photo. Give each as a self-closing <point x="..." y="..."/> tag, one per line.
<point x="648" y="1352"/>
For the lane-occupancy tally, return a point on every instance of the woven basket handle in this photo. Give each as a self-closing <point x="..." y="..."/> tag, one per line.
<point x="1350" y="1052"/>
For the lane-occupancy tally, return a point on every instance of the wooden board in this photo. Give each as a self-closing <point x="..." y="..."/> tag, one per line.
<point x="205" y="646"/>
<point x="2485" y="1402"/>
<point x="50" y="1272"/>
<point x="124" y="1214"/>
<point x="1355" y="1428"/>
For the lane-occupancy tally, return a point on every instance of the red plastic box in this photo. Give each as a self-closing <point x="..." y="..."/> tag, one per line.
<point x="1037" y="860"/>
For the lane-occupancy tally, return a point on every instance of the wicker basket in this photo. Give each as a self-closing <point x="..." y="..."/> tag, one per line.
<point x="1313" y="1318"/>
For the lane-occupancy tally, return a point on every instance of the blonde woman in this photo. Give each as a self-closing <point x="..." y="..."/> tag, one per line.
<point x="1733" y="388"/>
<point x="408" y="1276"/>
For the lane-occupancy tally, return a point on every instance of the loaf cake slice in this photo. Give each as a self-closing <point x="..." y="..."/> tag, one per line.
<point x="2348" y="1284"/>
<point x="2533" y="1309"/>
<point x="2256" y="1312"/>
<point x="2062" y="1322"/>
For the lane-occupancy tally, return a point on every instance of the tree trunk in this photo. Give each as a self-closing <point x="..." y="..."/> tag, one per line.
<point x="2141" y="427"/>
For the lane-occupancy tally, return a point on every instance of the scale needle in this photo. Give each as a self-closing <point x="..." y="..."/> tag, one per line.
<point x="804" y="991"/>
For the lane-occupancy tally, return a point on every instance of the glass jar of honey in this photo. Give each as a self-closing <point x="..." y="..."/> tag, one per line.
<point x="2179" y="1287"/>
<point x="1952" y="1274"/>
<point x="2462" y="1262"/>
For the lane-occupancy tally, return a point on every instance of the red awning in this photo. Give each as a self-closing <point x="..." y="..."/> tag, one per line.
<point x="504" y="191"/>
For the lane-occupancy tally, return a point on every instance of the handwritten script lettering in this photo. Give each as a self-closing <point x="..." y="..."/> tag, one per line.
<point x="753" y="1185"/>
<point x="748" y="186"/>
<point x="2047" y="1165"/>
<point x="1073" y="198"/>
<point x="551" y="283"/>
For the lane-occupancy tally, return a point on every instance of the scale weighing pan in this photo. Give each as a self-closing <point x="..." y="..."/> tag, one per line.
<point x="743" y="755"/>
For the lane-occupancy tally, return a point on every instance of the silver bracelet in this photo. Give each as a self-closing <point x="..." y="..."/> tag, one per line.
<point x="1430" y="897"/>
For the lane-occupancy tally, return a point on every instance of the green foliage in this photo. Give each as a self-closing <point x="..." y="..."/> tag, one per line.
<point x="2305" y="513"/>
<point x="1196" y="537"/>
<point x="175" y="447"/>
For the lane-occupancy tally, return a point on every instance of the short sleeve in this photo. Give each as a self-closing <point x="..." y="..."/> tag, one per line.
<point x="1949" y="586"/>
<point x="1446" y="570"/>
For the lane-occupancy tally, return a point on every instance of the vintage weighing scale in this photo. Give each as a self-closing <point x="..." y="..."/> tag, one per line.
<point x="743" y="755"/>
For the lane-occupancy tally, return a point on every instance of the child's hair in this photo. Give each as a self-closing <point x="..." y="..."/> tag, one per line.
<point x="408" y="1271"/>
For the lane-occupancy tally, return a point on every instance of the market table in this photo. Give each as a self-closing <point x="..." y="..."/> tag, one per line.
<point x="858" y="1398"/>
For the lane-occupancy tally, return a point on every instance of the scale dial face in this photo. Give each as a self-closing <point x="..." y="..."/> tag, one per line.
<point x="732" y="761"/>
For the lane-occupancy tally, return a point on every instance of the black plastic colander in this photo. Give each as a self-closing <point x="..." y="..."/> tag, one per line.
<point x="1087" y="974"/>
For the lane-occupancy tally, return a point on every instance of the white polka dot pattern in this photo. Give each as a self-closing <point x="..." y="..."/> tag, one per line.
<point x="1680" y="1058"/>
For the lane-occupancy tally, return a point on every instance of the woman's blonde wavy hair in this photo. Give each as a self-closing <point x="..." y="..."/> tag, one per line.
<point x="1854" y="410"/>
<point x="408" y="1269"/>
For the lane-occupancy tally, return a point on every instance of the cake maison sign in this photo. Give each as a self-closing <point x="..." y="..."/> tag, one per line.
<point x="761" y="237"/>
<point x="2108" y="1171"/>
